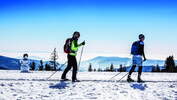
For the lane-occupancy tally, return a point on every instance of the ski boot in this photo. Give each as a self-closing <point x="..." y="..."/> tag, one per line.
<point x="129" y="79"/>
<point x="140" y="80"/>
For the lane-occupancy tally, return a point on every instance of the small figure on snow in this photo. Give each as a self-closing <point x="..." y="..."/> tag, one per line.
<point x="25" y="64"/>
<point x="137" y="51"/>
<point x="71" y="47"/>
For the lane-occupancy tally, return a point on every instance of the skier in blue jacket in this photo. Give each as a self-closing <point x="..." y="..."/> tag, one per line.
<point x="138" y="55"/>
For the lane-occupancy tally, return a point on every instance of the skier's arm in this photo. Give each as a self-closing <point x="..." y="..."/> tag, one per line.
<point x="144" y="54"/>
<point x="83" y="43"/>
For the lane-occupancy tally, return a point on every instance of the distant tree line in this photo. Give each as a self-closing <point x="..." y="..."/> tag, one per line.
<point x="169" y="66"/>
<point x="44" y="67"/>
<point x="108" y="69"/>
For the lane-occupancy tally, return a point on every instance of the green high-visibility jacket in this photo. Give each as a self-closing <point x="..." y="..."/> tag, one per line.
<point x="74" y="48"/>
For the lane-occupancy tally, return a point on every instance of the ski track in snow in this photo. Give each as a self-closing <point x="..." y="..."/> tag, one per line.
<point x="93" y="86"/>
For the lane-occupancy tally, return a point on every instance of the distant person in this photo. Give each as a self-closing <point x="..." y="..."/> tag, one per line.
<point x="137" y="51"/>
<point x="71" y="47"/>
<point x="25" y="63"/>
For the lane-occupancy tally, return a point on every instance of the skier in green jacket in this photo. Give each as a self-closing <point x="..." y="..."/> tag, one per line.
<point x="71" y="55"/>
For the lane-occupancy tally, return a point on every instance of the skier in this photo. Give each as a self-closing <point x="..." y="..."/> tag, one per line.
<point x="137" y="51"/>
<point x="25" y="62"/>
<point x="71" y="47"/>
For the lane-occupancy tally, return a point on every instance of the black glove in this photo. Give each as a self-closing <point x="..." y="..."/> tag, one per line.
<point x="83" y="43"/>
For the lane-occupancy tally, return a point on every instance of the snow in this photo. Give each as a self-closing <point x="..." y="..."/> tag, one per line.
<point x="93" y="86"/>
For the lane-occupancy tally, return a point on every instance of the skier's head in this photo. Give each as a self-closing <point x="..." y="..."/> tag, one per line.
<point x="25" y="56"/>
<point x="76" y="35"/>
<point x="141" y="37"/>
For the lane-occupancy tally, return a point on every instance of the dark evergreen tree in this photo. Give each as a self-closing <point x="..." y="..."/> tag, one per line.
<point x="47" y="67"/>
<point x="157" y="68"/>
<point x="121" y="68"/>
<point x="41" y="67"/>
<point x="175" y="69"/>
<point x="107" y="69"/>
<point x="170" y="64"/>
<point x="99" y="70"/>
<point x="154" y="69"/>
<point x="54" y="57"/>
<point x="124" y="69"/>
<point x="33" y="64"/>
<point x="112" y="68"/>
<point x="90" y="68"/>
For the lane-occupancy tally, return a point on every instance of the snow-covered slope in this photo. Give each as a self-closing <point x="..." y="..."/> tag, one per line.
<point x="9" y="63"/>
<point x="94" y="85"/>
<point x="13" y="63"/>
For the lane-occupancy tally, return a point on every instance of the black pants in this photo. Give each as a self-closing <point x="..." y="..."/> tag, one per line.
<point x="72" y="62"/>
<point x="139" y="70"/>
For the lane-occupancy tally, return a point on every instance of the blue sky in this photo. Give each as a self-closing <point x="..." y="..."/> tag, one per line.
<point x="108" y="26"/>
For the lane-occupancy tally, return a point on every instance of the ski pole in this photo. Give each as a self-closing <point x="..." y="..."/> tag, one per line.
<point x="80" y="57"/>
<point x="55" y="71"/>
<point x="115" y="75"/>
<point x="123" y="77"/>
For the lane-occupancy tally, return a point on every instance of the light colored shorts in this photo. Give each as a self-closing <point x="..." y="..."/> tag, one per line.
<point x="137" y="60"/>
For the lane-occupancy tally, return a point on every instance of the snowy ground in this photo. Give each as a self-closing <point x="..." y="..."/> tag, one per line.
<point x="94" y="85"/>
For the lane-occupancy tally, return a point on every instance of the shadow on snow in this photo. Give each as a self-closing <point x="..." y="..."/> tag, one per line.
<point x="60" y="85"/>
<point x="139" y="86"/>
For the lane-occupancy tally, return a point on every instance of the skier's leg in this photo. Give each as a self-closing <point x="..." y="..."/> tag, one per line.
<point x="67" y="68"/>
<point x="131" y="71"/>
<point x="74" y="77"/>
<point x="134" y="63"/>
<point x="140" y="71"/>
<point x="65" y="72"/>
